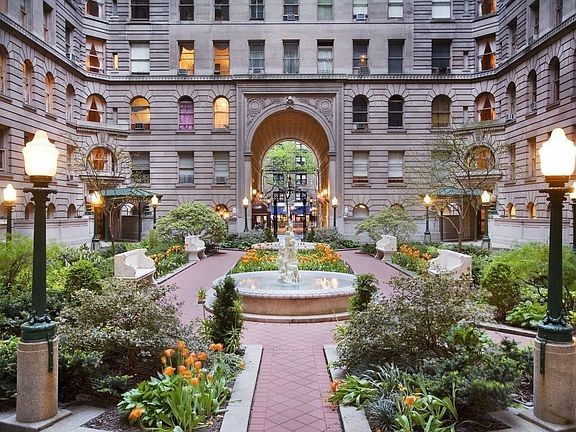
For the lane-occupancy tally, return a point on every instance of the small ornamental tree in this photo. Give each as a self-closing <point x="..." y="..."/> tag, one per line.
<point x="225" y="326"/>
<point x="366" y="287"/>
<point x="192" y="219"/>
<point x="392" y="221"/>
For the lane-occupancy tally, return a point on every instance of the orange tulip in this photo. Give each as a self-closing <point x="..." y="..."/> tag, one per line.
<point x="180" y="346"/>
<point x="197" y="365"/>
<point x="163" y="359"/>
<point x="210" y="378"/>
<point x="202" y="356"/>
<point x="182" y="369"/>
<point x="188" y="361"/>
<point x="135" y="414"/>
<point x="185" y="352"/>
<point x="194" y="382"/>
<point x="410" y="400"/>
<point x="242" y="365"/>
<point x="169" y="352"/>
<point x="169" y="370"/>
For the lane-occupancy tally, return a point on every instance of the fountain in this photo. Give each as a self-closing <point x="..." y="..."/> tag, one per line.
<point x="290" y="295"/>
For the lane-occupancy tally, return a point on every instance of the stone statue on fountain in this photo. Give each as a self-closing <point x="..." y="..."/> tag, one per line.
<point x="287" y="261"/>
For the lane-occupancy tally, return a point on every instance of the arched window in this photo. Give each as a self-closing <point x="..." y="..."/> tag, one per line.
<point x="360" y="112"/>
<point x="511" y="95"/>
<point x="49" y="95"/>
<point x="70" y="95"/>
<point x="531" y="210"/>
<point x="221" y="113"/>
<point x="185" y="113"/>
<point x="511" y="210"/>
<point x="222" y="211"/>
<point x="532" y="90"/>
<point x="481" y="158"/>
<point x="50" y="211"/>
<point x="360" y="210"/>
<point x="485" y="107"/>
<point x="396" y="112"/>
<point x="27" y="71"/>
<point x="441" y="111"/>
<point x="140" y="114"/>
<point x="100" y="160"/>
<point x="29" y="211"/>
<point x="554" y="76"/>
<point x="71" y="212"/>
<point x="3" y="70"/>
<point x="96" y="109"/>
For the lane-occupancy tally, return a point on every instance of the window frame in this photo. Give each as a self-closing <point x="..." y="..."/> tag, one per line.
<point x="256" y="10"/>
<point x="396" y="43"/>
<point x="221" y="113"/>
<point x="188" y="178"/>
<point x="186" y="10"/>
<point x="185" y="118"/>
<point x="143" y="61"/>
<point x="446" y="115"/>
<point x="397" y="166"/>
<point x="394" y="115"/>
<point x="360" y="166"/>
<point x="140" y="10"/>
<point x="291" y="65"/>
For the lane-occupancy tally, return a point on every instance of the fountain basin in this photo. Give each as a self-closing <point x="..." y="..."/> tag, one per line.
<point x="320" y="296"/>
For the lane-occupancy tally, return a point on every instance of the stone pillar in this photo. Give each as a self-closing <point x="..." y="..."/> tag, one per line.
<point x="554" y="390"/>
<point x="37" y="388"/>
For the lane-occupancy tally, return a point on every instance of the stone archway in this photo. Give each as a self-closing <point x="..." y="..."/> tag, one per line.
<point x="293" y="124"/>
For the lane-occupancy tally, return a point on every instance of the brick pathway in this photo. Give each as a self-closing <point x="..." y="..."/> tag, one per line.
<point x="293" y="381"/>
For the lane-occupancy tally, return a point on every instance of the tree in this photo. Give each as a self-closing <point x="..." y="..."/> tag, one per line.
<point x="192" y="218"/>
<point x="461" y="165"/>
<point x="392" y="221"/>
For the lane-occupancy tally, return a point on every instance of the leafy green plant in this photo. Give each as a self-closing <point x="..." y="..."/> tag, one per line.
<point x="392" y="221"/>
<point x="353" y="390"/>
<point x="330" y="236"/>
<point x="528" y="313"/>
<point x="381" y="414"/>
<point x="8" y="350"/>
<point x="366" y="287"/>
<point x="368" y="248"/>
<point x="83" y="274"/>
<point x="502" y="289"/>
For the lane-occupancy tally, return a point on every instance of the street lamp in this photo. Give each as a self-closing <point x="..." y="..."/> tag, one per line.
<point x="9" y="200"/>
<point x="427" y="202"/>
<point x="555" y="354"/>
<point x="37" y="366"/>
<point x="485" y="198"/>
<point x="245" y="203"/>
<point x="96" y="200"/>
<point x="334" y="204"/>
<point x="573" y="199"/>
<point x="154" y="203"/>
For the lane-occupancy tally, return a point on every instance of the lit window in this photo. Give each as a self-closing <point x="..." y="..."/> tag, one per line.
<point x="140" y="114"/>
<point x="511" y="210"/>
<point x="100" y="160"/>
<point x="396" y="112"/>
<point x="94" y="55"/>
<point x="95" y="108"/>
<point x="186" y="59"/>
<point x="531" y="210"/>
<point x="481" y="158"/>
<point x="93" y="8"/>
<point x="360" y="57"/>
<point x="485" y="107"/>
<point x="71" y="212"/>
<point x="221" y="113"/>
<point x="486" y="7"/>
<point x="221" y="58"/>
<point x="186" y="114"/>
<point x="486" y="54"/>
<point x="360" y="211"/>
<point x="441" y="111"/>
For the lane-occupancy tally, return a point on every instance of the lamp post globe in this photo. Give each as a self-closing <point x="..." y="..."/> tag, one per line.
<point x="485" y="199"/>
<point x="334" y="204"/>
<point x="427" y="202"/>
<point x="9" y="199"/>
<point x="245" y="203"/>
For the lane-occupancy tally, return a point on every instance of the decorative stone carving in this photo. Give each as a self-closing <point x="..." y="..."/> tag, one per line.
<point x="258" y="104"/>
<point x="322" y="104"/>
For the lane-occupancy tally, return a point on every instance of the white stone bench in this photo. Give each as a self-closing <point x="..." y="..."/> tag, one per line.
<point x="195" y="247"/>
<point x="134" y="265"/>
<point x="451" y="262"/>
<point x="385" y="247"/>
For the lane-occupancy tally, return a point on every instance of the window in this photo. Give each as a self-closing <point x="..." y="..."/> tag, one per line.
<point x="256" y="9"/>
<point x="115" y="61"/>
<point x="69" y="39"/>
<point x="70" y="95"/>
<point x="291" y="10"/>
<point x="395" y="166"/>
<point x="486" y="54"/>
<point x="554" y="76"/>
<point x="221" y="58"/>
<point x="395" y="8"/>
<point x="301" y="179"/>
<point x="49" y="93"/>
<point x="360" y="112"/>
<point x="94" y="55"/>
<point x="47" y="13"/>
<point x="396" y="56"/>
<point x="3" y="148"/>
<point x="3" y="70"/>
<point x="325" y="10"/>
<point x="486" y="7"/>
<point x="50" y="211"/>
<point x="140" y="167"/>
<point x="481" y="158"/>
<point x="140" y="9"/>
<point x="531" y="210"/>
<point x="186" y="58"/>
<point x="256" y="57"/>
<point x="291" y="60"/>
<point x="360" y="57"/>
<point x="441" y="9"/>
<point x="221" y="113"/>
<point x="396" y="112"/>
<point x="185" y="113"/>
<point x="360" y="211"/>
<point x="114" y="7"/>
<point x="186" y="10"/>
<point x="441" y="111"/>
<point x="71" y="212"/>
<point x="532" y="160"/>
<point x="512" y="37"/>
<point x="559" y="4"/>
<point x="221" y="167"/>
<point x="360" y="10"/>
<point x="186" y="167"/>
<point x="535" y="19"/>
<point x="95" y="109"/>
<point x="325" y="56"/>
<point x="100" y="160"/>
<point x="140" y="114"/>
<point x="511" y="95"/>
<point x="278" y="178"/>
<point x="299" y="160"/>
<point x="533" y="90"/>
<point x="93" y="8"/>
<point x="441" y="56"/>
<point x="27" y="71"/>
<point x="29" y="211"/>
<point x="512" y="162"/>
<point x="221" y="10"/>
<point x="70" y="150"/>
<point x="140" y="57"/>
<point x="360" y="166"/>
<point x="485" y="107"/>
<point x="300" y="196"/>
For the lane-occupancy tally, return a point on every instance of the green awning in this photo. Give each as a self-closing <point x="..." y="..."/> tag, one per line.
<point x="128" y="192"/>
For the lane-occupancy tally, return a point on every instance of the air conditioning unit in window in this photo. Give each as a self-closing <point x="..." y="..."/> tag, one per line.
<point x="360" y="126"/>
<point x="182" y="71"/>
<point x="533" y="106"/>
<point x="510" y="117"/>
<point x="69" y="177"/>
<point x="216" y="69"/>
<point x="138" y="126"/>
<point x="361" y="17"/>
<point x="290" y="17"/>
<point x="220" y="180"/>
<point x="441" y="70"/>
<point x="70" y="56"/>
<point x="256" y="70"/>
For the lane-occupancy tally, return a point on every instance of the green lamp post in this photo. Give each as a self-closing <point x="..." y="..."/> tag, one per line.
<point x="154" y="203"/>
<point x="96" y="201"/>
<point x="9" y="199"/>
<point x="245" y="203"/>
<point x="427" y="202"/>
<point x="334" y="205"/>
<point x="485" y="199"/>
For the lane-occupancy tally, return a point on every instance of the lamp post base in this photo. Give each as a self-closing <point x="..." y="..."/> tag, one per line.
<point x="486" y="243"/>
<point x="554" y="400"/>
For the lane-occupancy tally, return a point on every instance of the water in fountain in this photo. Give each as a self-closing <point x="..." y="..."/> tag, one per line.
<point x="287" y="262"/>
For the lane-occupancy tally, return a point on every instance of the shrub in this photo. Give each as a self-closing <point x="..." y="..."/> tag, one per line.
<point x="245" y="240"/>
<point x="392" y="221"/>
<point x="76" y="370"/>
<point x="368" y="248"/>
<point x="225" y="326"/>
<point x="330" y="236"/>
<point x="501" y="289"/>
<point x="83" y="274"/>
<point x="366" y="287"/>
<point x="8" y="350"/>
<point x="15" y="264"/>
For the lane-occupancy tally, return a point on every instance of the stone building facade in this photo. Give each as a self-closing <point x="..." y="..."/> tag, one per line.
<point x="198" y="90"/>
